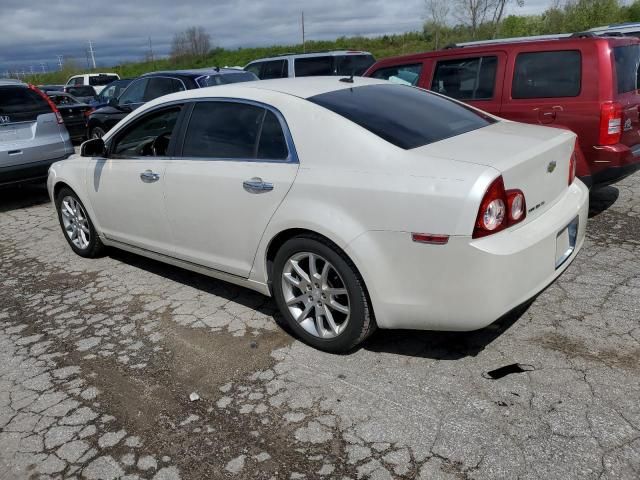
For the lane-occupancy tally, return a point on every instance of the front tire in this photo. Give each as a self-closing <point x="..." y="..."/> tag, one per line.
<point x="321" y="294"/>
<point x="76" y="225"/>
<point x="97" y="132"/>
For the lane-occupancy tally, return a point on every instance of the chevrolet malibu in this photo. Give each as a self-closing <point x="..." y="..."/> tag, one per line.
<point x="358" y="204"/>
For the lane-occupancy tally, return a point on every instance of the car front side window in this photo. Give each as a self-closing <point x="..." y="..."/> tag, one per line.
<point x="402" y="74"/>
<point x="134" y="92"/>
<point x="148" y="136"/>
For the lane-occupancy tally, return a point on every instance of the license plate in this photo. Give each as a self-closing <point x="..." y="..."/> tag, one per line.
<point x="566" y="242"/>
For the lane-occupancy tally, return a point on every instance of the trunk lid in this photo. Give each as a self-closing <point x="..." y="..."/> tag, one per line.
<point x="531" y="158"/>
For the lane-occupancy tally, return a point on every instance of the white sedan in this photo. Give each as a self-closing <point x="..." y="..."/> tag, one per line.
<point x="356" y="203"/>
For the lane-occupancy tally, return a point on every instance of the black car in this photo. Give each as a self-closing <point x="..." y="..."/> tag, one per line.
<point x="51" y="88"/>
<point x="156" y="84"/>
<point x="113" y="90"/>
<point x="84" y="93"/>
<point x="74" y="113"/>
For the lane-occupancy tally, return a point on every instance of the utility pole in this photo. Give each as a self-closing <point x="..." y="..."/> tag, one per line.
<point x="93" y="57"/>
<point x="153" y="60"/>
<point x="60" y="61"/>
<point x="42" y="66"/>
<point x="31" y="69"/>
<point x="304" y="48"/>
<point x="86" y="55"/>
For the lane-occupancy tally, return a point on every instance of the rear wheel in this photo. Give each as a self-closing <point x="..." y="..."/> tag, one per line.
<point x="76" y="225"/>
<point x="97" y="132"/>
<point x="321" y="295"/>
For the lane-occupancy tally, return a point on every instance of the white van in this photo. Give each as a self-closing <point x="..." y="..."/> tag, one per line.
<point x="97" y="80"/>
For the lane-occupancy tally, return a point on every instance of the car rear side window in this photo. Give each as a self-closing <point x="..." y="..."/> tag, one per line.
<point x="353" y="64"/>
<point x="274" y="69"/>
<point x="21" y="104"/>
<point x="272" y="144"/>
<point x="405" y="116"/>
<point x="159" y="86"/>
<point x="307" y="67"/>
<point x="627" y="61"/>
<point x="547" y="74"/>
<point x="466" y="78"/>
<point x="402" y="74"/>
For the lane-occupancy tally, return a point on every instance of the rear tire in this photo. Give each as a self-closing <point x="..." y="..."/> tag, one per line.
<point x="97" y="132"/>
<point x="76" y="225"/>
<point x="326" y="305"/>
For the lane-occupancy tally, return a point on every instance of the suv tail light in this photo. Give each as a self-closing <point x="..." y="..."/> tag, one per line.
<point x="54" y="109"/>
<point x="499" y="209"/>
<point x="572" y="167"/>
<point x="610" y="123"/>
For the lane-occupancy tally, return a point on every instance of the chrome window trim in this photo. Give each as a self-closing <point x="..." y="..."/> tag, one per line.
<point x="292" y="156"/>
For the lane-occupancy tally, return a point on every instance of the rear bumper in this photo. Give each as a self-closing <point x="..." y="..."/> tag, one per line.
<point x="27" y="172"/>
<point x="611" y="163"/>
<point x="468" y="283"/>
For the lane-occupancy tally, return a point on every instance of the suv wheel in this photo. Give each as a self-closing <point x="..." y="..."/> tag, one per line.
<point x="97" y="132"/>
<point x="321" y="295"/>
<point x="76" y="225"/>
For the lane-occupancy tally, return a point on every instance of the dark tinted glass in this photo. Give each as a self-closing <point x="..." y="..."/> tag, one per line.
<point x="353" y="64"/>
<point x="404" y="116"/>
<point x="402" y="74"/>
<point x="101" y="80"/>
<point x="223" y="130"/>
<point x="306" y="67"/>
<point x="274" y="69"/>
<point x="466" y="79"/>
<point x="148" y="136"/>
<point x="60" y="99"/>
<point x="627" y="61"/>
<point x="159" y="86"/>
<point x="21" y="104"/>
<point x="547" y="75"/>
<point x="227" y="78"/>
<point x="134" y="93"/>
<point x="273" y="145"/>
<point x="84" y="91"/>
<point x="254" y="68"/>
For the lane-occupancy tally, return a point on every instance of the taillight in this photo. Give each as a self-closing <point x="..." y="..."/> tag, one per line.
<point x="89" y="112"/>
<point x="610" y="123"/>
<point x="499" y="209"/>
<point x="572" y="167"/>
<point x="50" y="102"/>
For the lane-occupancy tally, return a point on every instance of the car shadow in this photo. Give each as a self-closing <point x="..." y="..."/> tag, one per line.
<point x="23" y="196"/>
<point x="601" y="199"/>
<point x="442" y="345"/>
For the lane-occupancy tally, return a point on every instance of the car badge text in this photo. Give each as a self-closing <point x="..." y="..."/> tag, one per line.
<point x="4" y="119"/>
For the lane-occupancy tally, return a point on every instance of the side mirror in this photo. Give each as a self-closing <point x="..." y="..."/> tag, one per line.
<point x="93" y="148"/>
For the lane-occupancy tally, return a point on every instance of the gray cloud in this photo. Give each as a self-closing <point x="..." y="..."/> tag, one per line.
<point x="38" y="30"/>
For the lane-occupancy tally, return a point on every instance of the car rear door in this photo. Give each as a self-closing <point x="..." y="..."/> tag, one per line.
<point x="126" y="188"/>
<point x="29" y="130"/>
<point x="236" y="166"/>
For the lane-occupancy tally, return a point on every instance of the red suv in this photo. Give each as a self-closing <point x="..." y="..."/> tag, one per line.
<point x="581" y="82"/>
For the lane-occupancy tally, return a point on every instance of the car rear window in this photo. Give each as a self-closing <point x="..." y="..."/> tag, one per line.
<point x="547" y="74"/>
<point x="86" y="91"/>
<point x="627" y="62"/>
<point x="101" y="80"/>
<point x="213" y="80"/>
<point x="353" y="64"/>
<point x="307" y="67"/>
<point x="405" y="116"/>
<point x="21" y="104"/>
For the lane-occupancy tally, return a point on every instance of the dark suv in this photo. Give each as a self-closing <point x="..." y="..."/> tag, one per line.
<point x="156" y="84"/>
<point x="580" y="82"/>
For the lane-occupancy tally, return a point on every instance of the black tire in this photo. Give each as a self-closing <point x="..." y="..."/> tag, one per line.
<point x="361" y="323"/>
<point x="95" y="247"/>
<point x="97" y="132"/>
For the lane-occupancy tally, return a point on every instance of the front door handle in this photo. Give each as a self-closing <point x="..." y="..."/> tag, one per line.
<point x="257" y="185"/>
<point x="149" y="177"/>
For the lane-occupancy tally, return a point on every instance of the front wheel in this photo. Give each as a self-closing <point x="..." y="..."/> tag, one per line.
<point x="321" y="294"/>
<point x="97" y="132"/>
<point x="76" y="225"/>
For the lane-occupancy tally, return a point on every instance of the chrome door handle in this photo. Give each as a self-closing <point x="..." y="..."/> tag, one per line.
<point x="149" y="177"/>
<point x="256" y="185"/>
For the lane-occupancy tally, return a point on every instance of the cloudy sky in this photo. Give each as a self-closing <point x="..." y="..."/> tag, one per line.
<point x="36" y="31"/>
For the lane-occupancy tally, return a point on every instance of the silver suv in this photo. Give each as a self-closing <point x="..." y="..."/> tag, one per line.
<point x="336" y="62"/>
<point x="32" y="133"/>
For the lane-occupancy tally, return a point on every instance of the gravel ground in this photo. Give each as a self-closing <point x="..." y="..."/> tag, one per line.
<point x="98" y="359"/>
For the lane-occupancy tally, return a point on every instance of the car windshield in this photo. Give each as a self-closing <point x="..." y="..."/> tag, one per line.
<point x="627" y="61"/>
<point x="226" y="78"/>
<point x="100" y="80"/>
<point x="407" y="117"/>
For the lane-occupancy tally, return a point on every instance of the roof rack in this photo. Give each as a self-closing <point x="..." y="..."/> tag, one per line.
<point x="532" y="38"/>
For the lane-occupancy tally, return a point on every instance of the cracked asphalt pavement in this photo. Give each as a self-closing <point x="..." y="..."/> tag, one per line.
<point x="98" y="359"/>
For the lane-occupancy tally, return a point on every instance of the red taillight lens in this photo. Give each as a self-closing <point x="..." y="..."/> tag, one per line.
<point x="499" y="209"/>
<point x="610" y="123"/>
<point x="572" y="167"/>
<point x="48" y="100"/>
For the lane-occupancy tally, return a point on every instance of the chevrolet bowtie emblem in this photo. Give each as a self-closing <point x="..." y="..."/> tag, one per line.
<point x="552" y="166"/>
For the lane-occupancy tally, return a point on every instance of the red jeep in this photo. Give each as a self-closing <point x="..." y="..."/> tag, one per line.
<point x="582" y="82"/>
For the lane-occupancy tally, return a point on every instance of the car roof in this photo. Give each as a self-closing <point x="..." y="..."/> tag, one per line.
<point x="11" y="81"/>
<point x="195" y="72"/>
<point x="327" y="53"/>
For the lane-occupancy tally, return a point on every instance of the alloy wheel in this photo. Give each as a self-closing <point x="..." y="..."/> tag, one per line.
<point x="76" y="222"/>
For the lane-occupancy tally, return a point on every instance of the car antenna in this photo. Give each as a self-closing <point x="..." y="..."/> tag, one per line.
<point x="347" y="79"/>
<point x="217" y="69"/>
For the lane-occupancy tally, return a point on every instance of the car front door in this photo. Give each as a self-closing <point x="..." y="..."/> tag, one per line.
<point x="126" y="187"/>
<point x="235" y="167"/>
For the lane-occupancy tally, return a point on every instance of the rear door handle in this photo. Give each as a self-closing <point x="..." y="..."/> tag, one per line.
<point x="256" y="185"/>
<point x="149" y="177"/>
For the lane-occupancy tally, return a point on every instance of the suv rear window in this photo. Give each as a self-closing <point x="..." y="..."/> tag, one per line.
<point x="627" y="60"/>
<point x="405" y="116"/>
<point x="466" y="78"/>
<point x="353" y="64"/>
<point x="306" y="67"/>
<point x="21" y="104"/>
<point x="101" y="80"/>
<point x="547" y="74"/>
